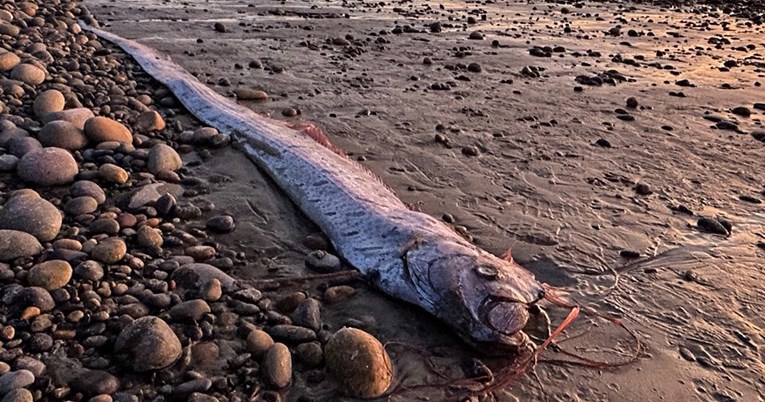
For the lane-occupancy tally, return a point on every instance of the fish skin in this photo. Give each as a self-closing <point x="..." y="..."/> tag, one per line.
<point x="405" y="254"/>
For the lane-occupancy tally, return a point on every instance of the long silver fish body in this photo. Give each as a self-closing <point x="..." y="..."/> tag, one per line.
<point x="406" y="254"/>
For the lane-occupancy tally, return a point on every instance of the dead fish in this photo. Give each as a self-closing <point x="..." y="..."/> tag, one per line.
<point x="406" y="254"/>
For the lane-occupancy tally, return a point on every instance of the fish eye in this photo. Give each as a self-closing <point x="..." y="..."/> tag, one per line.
<point x="487" y="272"/>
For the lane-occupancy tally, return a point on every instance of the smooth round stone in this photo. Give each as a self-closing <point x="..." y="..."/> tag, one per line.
<point x="89" y="270"/>
<point x="95" y="382"/>
<point x="359" y="363"/>
<point x="8" y="61"/>
<point x="277" y="366"/>
<point x="109" y="251"/>
<point x="149" y="237"/>
<point x="10" y="30"/>
<point x="88" y="188"/>
<point x="149" y="121"/>
<point x="308" y="314"/>
<point x="200" y="253"/>
<point x="81" y="205"/>
<point x="221" y="224"/>
<point x="77" y="116"/>
<point x="23" y="145"/>
<point x="18" y="395"/>
<point x="322" y="261"/>
<point x="48" y="167"/>
<point x="50" y="275"/>
<point x="194" y="276"/>
<point x="8" y="162"/>
<point x="163" y="157"/>
<point x="48" y="101"/>
<point x="204" y="135"/>
<point x="16" y="244"/>
<point x="28" y="74"/>
<point x="34" y="297"/>
<point x="149" y="344"/>
<point x="258" y="342"/>
<point x="100" y="129"/>
<point x="29" y="213"/>
<point x="104" y="225"/>
<point x="247" y="94"/>
<point x="9" y="134"/>
<point x="62" y="134"/>
<point x="15" y="380"/>
<point x="113" y="174"/>
<point x="192" y="310"/>
<point x="30" y="363"/>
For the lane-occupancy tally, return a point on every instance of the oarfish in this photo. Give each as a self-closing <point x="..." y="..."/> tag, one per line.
<point x="405" y="254"/>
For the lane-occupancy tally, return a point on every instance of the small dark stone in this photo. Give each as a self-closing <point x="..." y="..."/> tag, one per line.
<point x="95" y="382"/>
<point x="219" y="27"/>
<point x="221" y="224"/>
<point x="629" y="254"/>
<point x="602" y="142"/>
<point x="712" y="225"/>
<point x="643" y="189"/>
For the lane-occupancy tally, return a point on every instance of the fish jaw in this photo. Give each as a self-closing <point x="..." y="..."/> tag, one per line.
<point x="483" y="297"/>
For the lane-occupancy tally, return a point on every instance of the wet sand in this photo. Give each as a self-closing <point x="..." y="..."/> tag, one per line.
<point x="544" y="184"/>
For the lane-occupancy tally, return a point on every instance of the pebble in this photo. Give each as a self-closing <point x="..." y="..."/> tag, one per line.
<point x="251" y="95"/>
<point x="149" y="121"/>
<point x="308" y="314"/>
<point x="741" y="111"/>
<point x="62" y="134"/>
<point x="291" y="333"/>
<point x="81" y="205"/>
<point x="258" y="342"/>
<point x="8" y="162"/>
<point x="310" y="354"/>
<point x="34" y="297"/>
<point x="221" y="224"/>
<point x="154" y="193"/>
<point x="50" y="275"/>
<point x="100" y="129"/>
<point x="194" y="276"/>
<point x="8" y="61"/>
<point x="149" y="344"/>
<point x="15" y="244"/>
<point x="163" y="157"/>
<point x="359" y="363"/>
<point x="88" y="188"/>
<point x="95" y="382"/>
<point x="109" y="251"/>
<point x="15" y="380"/>
<point x="48" y="167"/>
<point x="28" y="74"/>
<point x="23" y="145"/>
<point x="193" y="310"/>
<point x="104" y="226"/>
<point x="76" y="116"/>
<point x="47" y="102"/>
<point x="29" y="213"/>
<point x="322" y="261"/>
<point x="89" y="270"/>
<point x="149" y="237"/>
<point x="277" y="366"/>
<point x="188" y="387"/>
<point x="112" y="173"/>
<point x="339" y="293"/>
<point x="18" y="395"/>
<point x="212" y="291"/>
<point x="632" y="103"/>
<point x="200" y="253"/>
<point x="712" y="225"/>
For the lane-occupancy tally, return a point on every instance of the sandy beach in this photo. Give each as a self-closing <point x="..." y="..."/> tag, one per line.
<point x="613" y="147"/>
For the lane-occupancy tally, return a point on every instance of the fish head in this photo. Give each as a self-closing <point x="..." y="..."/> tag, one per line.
<point x="484" y="297"/>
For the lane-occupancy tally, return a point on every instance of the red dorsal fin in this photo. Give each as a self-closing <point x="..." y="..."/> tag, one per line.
<point x="317" y="135"/>
<point x="507" y="256"/>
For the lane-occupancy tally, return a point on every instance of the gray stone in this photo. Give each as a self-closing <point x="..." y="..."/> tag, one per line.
<point x="48" y="167"/>
<point x="15" y="379"/>
<point x="62" y="134"/>
<point x="149" y="344"/>
<point x="163" y="157"/>
<point x="88" y="188"/>
<point x="77" y="116"/>
<point x="29" y="213"/>
<point x="15" y="244"/>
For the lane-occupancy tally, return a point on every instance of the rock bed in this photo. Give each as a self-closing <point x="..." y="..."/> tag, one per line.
<point x="111" y="288"/>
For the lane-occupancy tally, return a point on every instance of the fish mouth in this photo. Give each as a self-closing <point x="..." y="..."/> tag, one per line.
<point x="505" y="316"/>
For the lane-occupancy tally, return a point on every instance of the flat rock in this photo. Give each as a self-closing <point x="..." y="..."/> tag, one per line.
<point x="81" y="205"/>
<point x="62" y="134"/>
<point x="150" y="193"/>
<point x="149" y="344"/>
<point x="100" y="129"/>
<point x="48" y="167"/>
<point x="29" y="213"/>
<point x="195" y="275"/>
<point x="77" y="116"/>
<point x="16" y="244"/>
<point x="149" y="121"/>
<point x="48" y="101"/>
